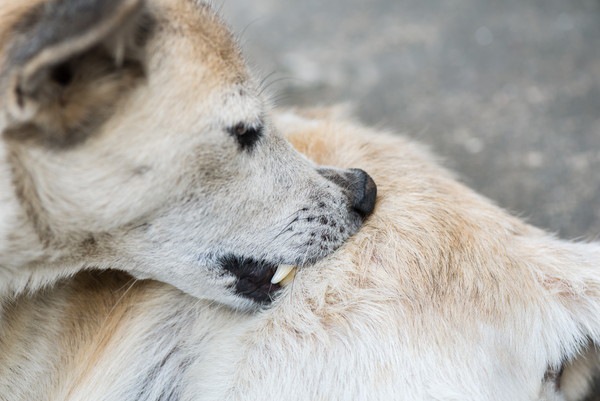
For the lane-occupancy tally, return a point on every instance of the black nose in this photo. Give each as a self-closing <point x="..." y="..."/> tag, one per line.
<point x="364" y="192"/>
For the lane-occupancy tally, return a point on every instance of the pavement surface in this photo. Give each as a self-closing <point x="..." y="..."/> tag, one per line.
<point x="506" y="92"/>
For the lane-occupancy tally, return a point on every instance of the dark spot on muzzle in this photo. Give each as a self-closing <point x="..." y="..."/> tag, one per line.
<point x="253" y="277"/>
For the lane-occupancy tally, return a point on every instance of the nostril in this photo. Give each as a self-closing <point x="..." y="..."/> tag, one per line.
<point x="364" y="194"/>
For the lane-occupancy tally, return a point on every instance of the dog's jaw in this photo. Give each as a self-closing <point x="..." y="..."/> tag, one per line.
<point x="255" y="280"/>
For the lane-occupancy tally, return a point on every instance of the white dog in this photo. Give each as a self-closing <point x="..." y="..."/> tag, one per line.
<point x="134" y="138"/>
<point x="440" y="296"/>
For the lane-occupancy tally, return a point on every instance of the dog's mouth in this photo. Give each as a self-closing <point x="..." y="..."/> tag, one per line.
<point x="257" y="280"/>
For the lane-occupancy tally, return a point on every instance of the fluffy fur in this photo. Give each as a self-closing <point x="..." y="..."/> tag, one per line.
<point x="134" y="137"/>
<point x="440" y="296"/>
<point x="121" y="149"/>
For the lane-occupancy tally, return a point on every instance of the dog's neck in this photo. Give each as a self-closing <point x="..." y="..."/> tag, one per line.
<point x="20" y="248"/>
<point x="24" y="266"/>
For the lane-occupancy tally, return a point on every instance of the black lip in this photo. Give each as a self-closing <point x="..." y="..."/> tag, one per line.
<point x="253" y="277"/>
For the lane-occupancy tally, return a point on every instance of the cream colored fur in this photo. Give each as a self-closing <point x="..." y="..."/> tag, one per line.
<point x="124" y="144"/>
<point x="440" y="296"/>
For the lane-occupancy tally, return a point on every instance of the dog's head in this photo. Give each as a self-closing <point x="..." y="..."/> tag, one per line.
<point x="137" y="139"/>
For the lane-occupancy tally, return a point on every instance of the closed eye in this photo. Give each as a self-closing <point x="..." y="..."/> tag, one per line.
<point x="246" y="135"/>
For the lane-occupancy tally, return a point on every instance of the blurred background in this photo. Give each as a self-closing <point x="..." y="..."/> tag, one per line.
<point x="507" y="92"/>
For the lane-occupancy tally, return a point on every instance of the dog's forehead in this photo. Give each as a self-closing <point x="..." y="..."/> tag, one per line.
<point x="195" y="55"/>
<point x="191" y="32"/>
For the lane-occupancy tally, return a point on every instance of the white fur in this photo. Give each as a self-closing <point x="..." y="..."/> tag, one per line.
<point x="160" y="187"/>
<point x="441" y="296"/>
<point x="366" y="325"/>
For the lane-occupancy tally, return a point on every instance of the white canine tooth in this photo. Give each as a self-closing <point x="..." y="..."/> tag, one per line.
<point x="288" y="279"/>
<point x="282" y="272"/>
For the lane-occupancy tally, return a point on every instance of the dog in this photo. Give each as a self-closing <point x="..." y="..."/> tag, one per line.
<point x="441" y="295"/>
<point x="135" y="138"/>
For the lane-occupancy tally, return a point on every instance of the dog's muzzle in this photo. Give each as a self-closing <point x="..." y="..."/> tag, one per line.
<point x="259" y="280"/>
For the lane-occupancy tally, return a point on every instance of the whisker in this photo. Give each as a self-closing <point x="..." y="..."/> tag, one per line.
<point x="248" y="25"/>
<point x="269" y="84"/>
<point x="277" y="100"/>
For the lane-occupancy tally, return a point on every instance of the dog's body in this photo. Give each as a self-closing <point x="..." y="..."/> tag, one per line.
<point x="441" y="296"/>
<point x="135" y="138"/>
<point x="158" y="157"/>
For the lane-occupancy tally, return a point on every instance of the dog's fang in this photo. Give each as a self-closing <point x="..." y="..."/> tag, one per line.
<point x="282" y="272"/>
<point x="288" y="279"/>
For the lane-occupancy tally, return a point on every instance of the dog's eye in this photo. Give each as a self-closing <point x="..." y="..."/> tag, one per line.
<point x="246" y="135"/>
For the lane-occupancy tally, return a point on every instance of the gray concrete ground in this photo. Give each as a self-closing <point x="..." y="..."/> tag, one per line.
<point x="507" y="92"/>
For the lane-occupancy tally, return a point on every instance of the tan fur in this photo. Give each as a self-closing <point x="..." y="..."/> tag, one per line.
<point x="441" y="295"/>
<point x="11" y="13"/>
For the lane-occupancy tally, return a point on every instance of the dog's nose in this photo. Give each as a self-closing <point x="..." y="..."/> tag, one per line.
<point x="364" y="192"/>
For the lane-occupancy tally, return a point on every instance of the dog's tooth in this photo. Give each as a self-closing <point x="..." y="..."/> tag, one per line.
<point x="282" y="272"/>
<point x="289" y="278"/>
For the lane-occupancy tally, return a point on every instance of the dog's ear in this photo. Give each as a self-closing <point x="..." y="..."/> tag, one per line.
<point x="59" y="51"/>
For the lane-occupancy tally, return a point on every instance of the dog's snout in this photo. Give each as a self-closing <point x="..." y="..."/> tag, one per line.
<point x="364" y="192"/>
<point x="358" y="186"/>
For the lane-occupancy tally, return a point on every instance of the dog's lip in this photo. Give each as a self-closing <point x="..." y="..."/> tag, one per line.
<point x="256" y="279"/>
